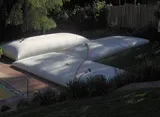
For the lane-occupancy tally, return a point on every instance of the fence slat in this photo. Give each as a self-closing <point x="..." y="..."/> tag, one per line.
<point x="131" y="16"/>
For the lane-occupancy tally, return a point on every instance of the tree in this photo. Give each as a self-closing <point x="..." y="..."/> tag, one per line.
<point x="28" y="15"/>
<point x="33" y="14"/>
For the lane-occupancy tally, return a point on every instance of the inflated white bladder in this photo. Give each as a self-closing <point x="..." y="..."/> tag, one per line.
<point x="104" y="47"/>
<point x="42" y="44"/>
<point x="60" y="68"/>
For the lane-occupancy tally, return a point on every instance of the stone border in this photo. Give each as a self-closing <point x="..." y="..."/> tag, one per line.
<point x="142" y="85"/>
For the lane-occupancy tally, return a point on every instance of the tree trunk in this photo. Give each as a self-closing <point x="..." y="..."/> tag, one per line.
<point x="119" y="2"/>
<point x="135" y="2"/>
<point x="2" y="23"/>
<point x="5" y="8"/>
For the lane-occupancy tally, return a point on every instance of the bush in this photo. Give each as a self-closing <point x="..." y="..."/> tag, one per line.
<point x="122" y="80"/>
<point x="45" y="98"/>
<point x="93" y="86"/>
<point x="97" y="85"/>
<point x="88" y="17"/>
<point x="149" y="32"/>
<point x="5" y="108"/>
<point x="77" y="89"/>
<point x="149" y="70"/>
<point x="146" y="71"/>
<point x="23" y="103"/>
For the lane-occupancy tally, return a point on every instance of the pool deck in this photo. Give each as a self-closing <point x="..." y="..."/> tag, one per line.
<point x="18" y="80"/>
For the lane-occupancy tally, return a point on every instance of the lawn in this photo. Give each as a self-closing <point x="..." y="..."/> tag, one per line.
<point x="139" y="103"/>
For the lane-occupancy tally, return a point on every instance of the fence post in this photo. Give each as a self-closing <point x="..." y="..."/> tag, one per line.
<point x="131" y="16"/>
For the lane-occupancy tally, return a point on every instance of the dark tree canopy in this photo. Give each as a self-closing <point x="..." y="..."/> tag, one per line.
<point x="33" y="14"/>
<point x="44" y="15"/>
<point x="28" y="14"/>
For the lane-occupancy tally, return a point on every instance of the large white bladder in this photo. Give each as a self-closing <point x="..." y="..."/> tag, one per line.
<point x="60" y="68"/>
<point x="42" y="44"/>
<point x="104" y="47"/>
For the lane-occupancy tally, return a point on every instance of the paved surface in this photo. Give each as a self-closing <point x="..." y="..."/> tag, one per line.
<point x="18" y="80"/>
<point x="142" y="85"/>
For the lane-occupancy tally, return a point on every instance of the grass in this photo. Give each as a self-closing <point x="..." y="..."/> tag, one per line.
<point x="140" y="103"/>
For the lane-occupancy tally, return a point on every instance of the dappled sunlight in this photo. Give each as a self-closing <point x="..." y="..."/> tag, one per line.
<point x="28" y="47"/>
<point x="61" y="68"/>
<point x="104" y="47"/>
<point x="95" y="45"/>
<point x="54" y="59"/>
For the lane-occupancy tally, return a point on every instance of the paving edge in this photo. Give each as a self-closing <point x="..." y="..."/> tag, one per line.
<point x="142" y="85"/>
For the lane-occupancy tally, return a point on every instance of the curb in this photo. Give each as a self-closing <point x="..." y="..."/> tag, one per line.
<point x="142" y="85"/>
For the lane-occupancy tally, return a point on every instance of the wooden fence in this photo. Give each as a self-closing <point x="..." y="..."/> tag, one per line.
<point x="131" y="16"/>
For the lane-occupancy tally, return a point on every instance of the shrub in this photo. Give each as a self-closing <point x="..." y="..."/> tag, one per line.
<point x="97" y="85"/>
<point x="23" y="103"/>
<point x="45" y="98"/>
<point x="122" y="80"/>
<point x="146" y="71"/>
<point x="90" y="16"/>
<point x="77" y="89"/>
<point x="92" y="86"/>
<point x="149" y="70"/>
<point x="5" y="108"/>
<point x="148" y="32"/>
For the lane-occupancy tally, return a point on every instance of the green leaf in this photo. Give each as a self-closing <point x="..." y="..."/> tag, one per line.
<point x="34" y="14"/>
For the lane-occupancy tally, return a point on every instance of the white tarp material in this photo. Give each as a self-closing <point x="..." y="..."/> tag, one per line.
<point x="60" y="68"/>
<point x="104" y="47"/>
<point x="42" y="44"/>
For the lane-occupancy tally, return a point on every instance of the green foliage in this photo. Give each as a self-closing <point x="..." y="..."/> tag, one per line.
<point x="96" y="86"/>
<point x="147" y="71"/>
<point x="23" y="103"/>
<point x="157" y="11"/>
<point x="16" y="16"/>
<point x="77" y="89"/>
<point x="5" y="108"/>
<point x="90" y="16"/>
<point x="93" y="86"/>
<point x="46" y="4"/>
<point x="45" y="98"/>
<point x="34" y="14"/>
<point x="99" y="6"/>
